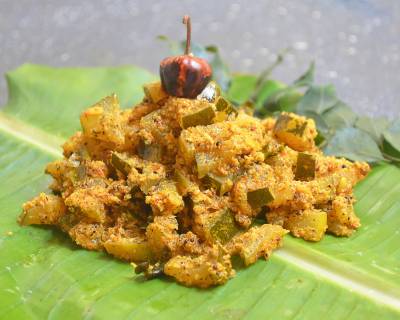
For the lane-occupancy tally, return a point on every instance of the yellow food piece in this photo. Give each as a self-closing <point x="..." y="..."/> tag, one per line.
<point x="257" y="177"/>
<point x="203" y="271"/>
<point x="177" y="185"/>
<point x="88" y="235"/>
<point x="162" y="236"/>
<point x="44" y="209"/>
<point x="257" y="242"/>
<point x="91" y="202"/>
<point x="165" y="199"/>
<point x="309" y="224"/>
<point x="219" y="147"/>
<point x="103" y="121"/>
<point x="200" y="117"/>
<point x="129" y="249"/>
<point x="154" y="92"/>
<point x="342" y="220"/>
<point x="296" y="131"/>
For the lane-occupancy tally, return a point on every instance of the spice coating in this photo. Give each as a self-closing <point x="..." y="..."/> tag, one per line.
<point x="178" y="192"/>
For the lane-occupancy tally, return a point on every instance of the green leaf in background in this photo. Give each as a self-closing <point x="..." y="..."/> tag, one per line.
<point x="390" y="153"/>
<point x="318" y="99"/>
<point x="44" y="276"/>
<point x="321" y="104"/>
<point x="340" y="116"/>
<point x="307" y="79"/>
<point x="354" y="144"/>
<point x="33" y="84"/>
<point x="373" y="126"/>
<point x="285" y="99"/>
<point x="243" y="86"/>
<point x="392" y="135"/>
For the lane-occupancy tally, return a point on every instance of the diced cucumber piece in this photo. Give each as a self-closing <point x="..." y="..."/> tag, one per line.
<point x="150" y="152"/>
<point x="121" y="163"/>
<point x="223" y="227"/>
<point x="221" y="184"/>
<point x="224" y="105"/>
<point x="305" y="167"/>
<point x="200" y="117"/>
<point x="154" y="92"/>
<point x="259" y="197"/>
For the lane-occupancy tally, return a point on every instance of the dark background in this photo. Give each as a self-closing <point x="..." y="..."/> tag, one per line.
<point x="356" y="44"/>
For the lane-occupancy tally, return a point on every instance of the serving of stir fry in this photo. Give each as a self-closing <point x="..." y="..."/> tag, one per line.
<point x="180" y="186"/>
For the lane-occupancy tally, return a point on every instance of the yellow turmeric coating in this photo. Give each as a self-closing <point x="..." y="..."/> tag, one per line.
<point x="175" y="185"/>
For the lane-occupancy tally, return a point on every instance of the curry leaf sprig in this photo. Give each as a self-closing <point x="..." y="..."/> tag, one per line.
<point x="341" y="132"/>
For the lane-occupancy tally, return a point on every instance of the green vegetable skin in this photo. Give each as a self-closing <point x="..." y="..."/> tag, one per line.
<point x="121" y="163"/>
<point x="305" y="167"/>
<point x="286" y="123"/>
<point x="150" y="152"/>
<point x="272" y="149"/>
<point x="223" y="226"/>
<point x="259" y="197"/>
<point x="200" y="117"/>
<point x="154" y="92"/>
<point x="90" y="285"/>
<point x="221" y="184"/>
<point x="285" y="99"/>
<point x="224" y="105"/>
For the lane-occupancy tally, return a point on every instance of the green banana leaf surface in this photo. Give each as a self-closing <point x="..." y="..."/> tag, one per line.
<point x="43" y="275"/>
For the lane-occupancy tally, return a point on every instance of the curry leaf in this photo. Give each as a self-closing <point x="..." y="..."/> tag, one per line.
<point x="284" y="99"/>
<point x="373" y="126"/>
<point x="264" y="86"/>
<point x="354" y="144"/>
<point x="269" y="88"/>
<point x="340" y="116"/>
<point x="318" y="99"/>
<point x="243" y="86"/>
<point x="390" y="153"/>
<point x="392" y="135"/>
<point x="321" y="123"/>
<point x="306" y="79"/>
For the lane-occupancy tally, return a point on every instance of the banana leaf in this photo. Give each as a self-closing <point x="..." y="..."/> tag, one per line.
<point x="44" y="275"/>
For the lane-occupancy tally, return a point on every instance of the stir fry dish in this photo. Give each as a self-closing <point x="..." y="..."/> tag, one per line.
<point x="185" y="182"/>
<point x="179" y="186"/>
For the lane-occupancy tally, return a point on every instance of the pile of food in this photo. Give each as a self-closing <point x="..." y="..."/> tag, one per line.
<point x="181" y="186"/>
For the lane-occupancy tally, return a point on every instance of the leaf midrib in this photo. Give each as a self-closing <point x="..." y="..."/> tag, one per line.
<point x="341" y="273"/>
<point x="31" y="135"/>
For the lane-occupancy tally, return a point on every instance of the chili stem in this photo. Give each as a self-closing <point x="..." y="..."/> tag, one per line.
<point x="187" y="22"/>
